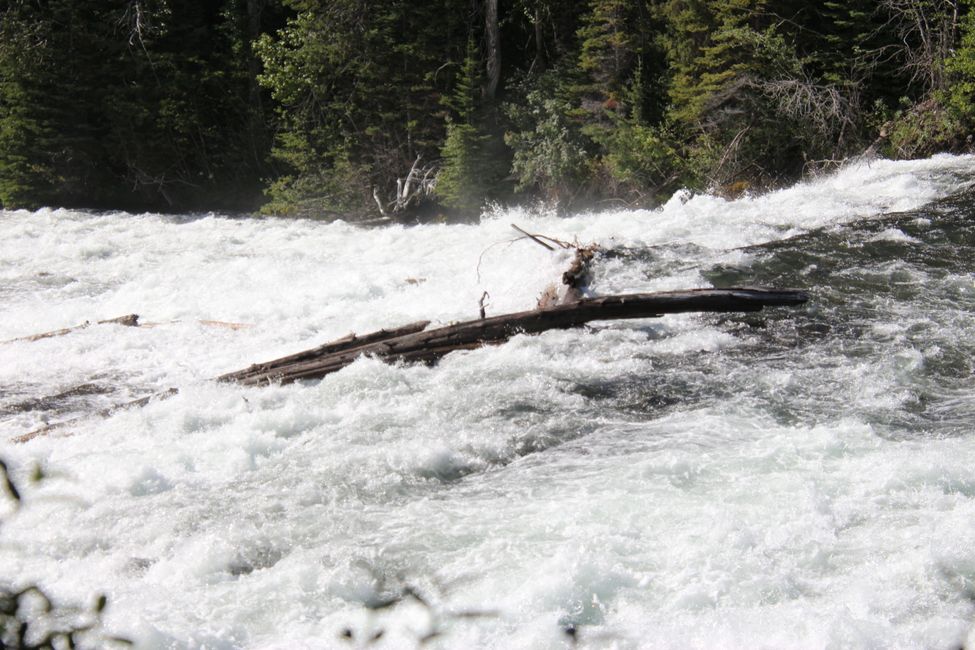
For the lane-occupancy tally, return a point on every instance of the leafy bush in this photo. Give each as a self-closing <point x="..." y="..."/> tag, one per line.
<point x="644" y="161"/>
<point x="551" y="155"/>
<point x="923" y="130"/>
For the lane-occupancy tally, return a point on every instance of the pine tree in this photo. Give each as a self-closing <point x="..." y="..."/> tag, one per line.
<point x="961" y="69"/>
<point x="127" y="104"/>
<point x="621" y="99"/>
<point x="608" y="50"/>
<point x="23" y="178"/>
<point x="733" y="67"/>
<point x="358" y="89"/>
<point x="183" y="111"/>
<point x="470" y="173"/>
<point x="50" y="149"/>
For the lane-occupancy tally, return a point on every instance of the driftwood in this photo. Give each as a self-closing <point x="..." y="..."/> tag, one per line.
<point x="106" y="412"/>
<point x="414" y="343"/>
<point x="207" y="323"/>
<point x="338" y="346"/>
<point x="129" y="320"/>
<point x="575" y="280"/>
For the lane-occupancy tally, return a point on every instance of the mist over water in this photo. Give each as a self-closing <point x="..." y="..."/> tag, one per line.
<point x="793" y="478"/>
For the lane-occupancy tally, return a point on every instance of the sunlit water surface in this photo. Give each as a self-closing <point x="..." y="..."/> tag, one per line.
<point x="796" y="478"/>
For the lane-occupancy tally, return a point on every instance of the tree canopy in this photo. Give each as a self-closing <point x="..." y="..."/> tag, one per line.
<point x="355" y="109"/>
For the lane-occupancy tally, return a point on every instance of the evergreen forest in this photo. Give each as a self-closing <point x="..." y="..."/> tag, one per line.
<point x="407" y="110"/>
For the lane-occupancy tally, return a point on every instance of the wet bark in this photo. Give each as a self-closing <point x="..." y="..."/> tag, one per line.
<point x="428" y="346"/>
<point x="343" y="344"/>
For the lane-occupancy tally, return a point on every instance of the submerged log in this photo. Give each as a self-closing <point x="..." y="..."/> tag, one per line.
<point x="106" y="412"/>
<point x="421" y="345"/>
<point x="129" y="320"/>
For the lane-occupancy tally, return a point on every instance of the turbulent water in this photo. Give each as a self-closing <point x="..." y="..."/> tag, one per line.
<point x="798" y="478"/>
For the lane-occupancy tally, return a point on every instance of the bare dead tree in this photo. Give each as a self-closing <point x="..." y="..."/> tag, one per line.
<point x="727" y="164"/>
<point x="138" y="20"/>
<point x="418" y="184"/>
<point x="828" y="110"/>
<point x="927" y="30"/>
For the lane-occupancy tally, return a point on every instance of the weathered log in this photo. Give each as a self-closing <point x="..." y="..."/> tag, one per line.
<point x="430" y="345"/>
<point x="129" y="320"/>
<point x="106" y="412"/>
<point x="345" y="343"/>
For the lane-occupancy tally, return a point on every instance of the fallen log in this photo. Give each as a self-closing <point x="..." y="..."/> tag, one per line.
<point x="348" y="342"/>
<point x="106" y="412"/>
<point x="422" y="345"/>
<point x="413" y="343"/>
<point x="246" y="375"/>
<point x="129" y="320"/>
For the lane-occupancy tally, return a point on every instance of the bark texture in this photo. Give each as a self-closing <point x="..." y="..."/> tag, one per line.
<point x="414" y="343"/>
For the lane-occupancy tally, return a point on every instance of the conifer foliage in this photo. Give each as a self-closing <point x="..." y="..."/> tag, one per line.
<point x="401" y="109"/>
<point x="129" y="103"/>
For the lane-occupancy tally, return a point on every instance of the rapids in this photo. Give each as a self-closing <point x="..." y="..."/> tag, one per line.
<point x="796" y="478"/>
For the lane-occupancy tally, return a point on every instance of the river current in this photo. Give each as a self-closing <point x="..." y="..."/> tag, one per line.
<point x="796" y="478"/>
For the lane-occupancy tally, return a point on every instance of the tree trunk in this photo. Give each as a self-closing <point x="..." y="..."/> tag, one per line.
<point x="493" y="36"/>
<point x="538" y="64"/>
<point x="255" y="109"/>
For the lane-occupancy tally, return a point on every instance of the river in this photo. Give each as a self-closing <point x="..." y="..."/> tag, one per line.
<point x="797" y="478"/>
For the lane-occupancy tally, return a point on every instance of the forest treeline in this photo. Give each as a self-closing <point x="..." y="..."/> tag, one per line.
<point x="405" y="109"/>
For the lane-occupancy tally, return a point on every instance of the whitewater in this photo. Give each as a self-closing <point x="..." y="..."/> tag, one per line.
<point x="798" y="478"/>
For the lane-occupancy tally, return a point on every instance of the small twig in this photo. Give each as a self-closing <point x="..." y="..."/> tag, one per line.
<point x="8" y="483"/>
<point x="535" y="238"/>
<point x="480" y="258"/>
<point x="561" y="243"/>
<point x="480" y="303"/>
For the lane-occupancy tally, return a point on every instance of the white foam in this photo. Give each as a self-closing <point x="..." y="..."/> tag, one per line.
<point x="236" y="517"/>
